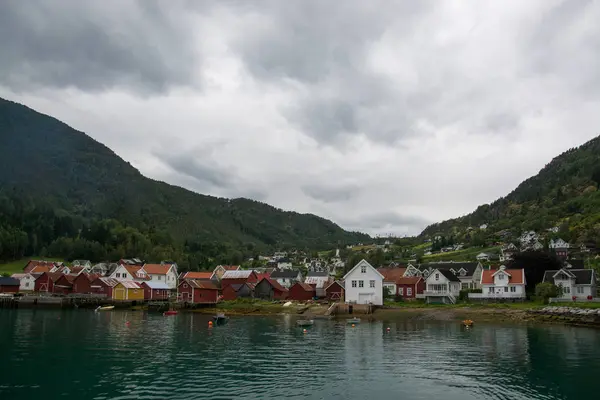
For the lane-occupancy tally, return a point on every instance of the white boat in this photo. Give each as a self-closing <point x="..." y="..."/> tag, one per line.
<point x="104" y="308"/>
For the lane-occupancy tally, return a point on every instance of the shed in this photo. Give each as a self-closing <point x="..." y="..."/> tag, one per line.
<point x="64" y="284"/>
<point x="45" y="281"/>
<point x="335" y="291"/>
<point x="128" y="290"/>
<point x="301" y="291"/>
<point x="155" y="290"/>
<point x="238" y="277"/>
<point x="270" y="289"/>
<point x="82" y="283"/>
<point x="198" y="291"/>
<point x="238" y="290"/>
<point x="9" y="285"/>
<point x="103" y="286"/>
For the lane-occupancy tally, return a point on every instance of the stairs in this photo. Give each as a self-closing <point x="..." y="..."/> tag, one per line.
<point x="332" y="309"/>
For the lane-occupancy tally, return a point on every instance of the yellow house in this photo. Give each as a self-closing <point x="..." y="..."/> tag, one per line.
<point x="128" y="290"/>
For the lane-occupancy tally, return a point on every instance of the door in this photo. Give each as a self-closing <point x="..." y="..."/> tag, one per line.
<point x="364" y="298"/>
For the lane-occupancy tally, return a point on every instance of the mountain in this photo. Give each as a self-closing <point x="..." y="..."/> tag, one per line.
<point x="57" y="168"/>
<point x="564" y="194"/>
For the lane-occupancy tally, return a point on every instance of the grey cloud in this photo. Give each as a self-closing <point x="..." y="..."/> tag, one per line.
<point x="330" y="194"/>
<point x="501" y="122"/>
<point x="94" y="46"/>
<point x="202" y="171"/>
<point x="386" y="220"/>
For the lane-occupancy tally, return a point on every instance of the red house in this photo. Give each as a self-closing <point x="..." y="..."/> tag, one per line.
<point x="103" y="286"/>
<point x="301" y="292"/>
<point x="64" y="284"/>
<point x="45" y="282"/>
<point x="198" y="292"/>
<point x="335" y="291"/>
<point x="9" y="285"/>
<point x="237" y="291"/>
<point x="82" y="283"/>
<point x="238" y="277"/>
<point x="155" y="290"/>
<point x="39" y="266"/>
<point x="270" y="289"/>
<point x="409" y="287"/>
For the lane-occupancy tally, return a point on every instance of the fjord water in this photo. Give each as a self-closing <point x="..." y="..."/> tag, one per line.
<point x="79" y="354"/>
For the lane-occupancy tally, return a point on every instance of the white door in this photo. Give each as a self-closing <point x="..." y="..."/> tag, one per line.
<point x="364" y="298"/>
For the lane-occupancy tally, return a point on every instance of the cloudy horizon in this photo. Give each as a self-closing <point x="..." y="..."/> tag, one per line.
<point x="383" y="116"/>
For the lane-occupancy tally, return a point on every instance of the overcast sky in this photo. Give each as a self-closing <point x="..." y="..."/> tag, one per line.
<point x="383" y="116"/>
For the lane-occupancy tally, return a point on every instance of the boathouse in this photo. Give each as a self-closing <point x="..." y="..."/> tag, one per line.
<point x="197" y="292"/>
<point x="238" y="291"/>
<point x="64" y="284"/>
<point x="9" y="285"/>
<point x="104" y="286"/>
<point x="155" y="290"/>
<point x="335" y="291"/>
<point x="238" y="277"/>
<point x="45" y="281"/>
<point x="270" y="289"/>
<point x="128" y="290"/>
<point x="301" y="292"/>
<point x="82" y="283"/>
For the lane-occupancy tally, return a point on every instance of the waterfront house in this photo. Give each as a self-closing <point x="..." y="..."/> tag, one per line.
<point x="64" y="284"/>
<point x="301" y="291"/>
<point x="82" y="283"/>
<point x="9" y="285"/>
<point x="45" y="281"/>
<point x="442" y="286"/>
<point x="391" y="275"/>
<point x="469" y="273"/>
<point x="501" y="284"/>
<point x="197" y="292"/>
<point x="165" y="272"/>
<point x="27" y="282"/>
<point x="103" y="286"/>
<point x="578" y="283"/>
<point x="154" y="290"/>
<point x="286" y="278"/>
<point x="319" y="280"/>
<point x="238" y="291"/>
<point x="409" y="287"/>
<point x="204" y="275"/>
<point x="220" y="270"/>
<point x="270" y="289"/>
<point x="128" y="291"/>
<point x="127" y="272"/>
<point x="238" y="277"/>
<point x="363" y="285"/>
<point x="335" y="291"/>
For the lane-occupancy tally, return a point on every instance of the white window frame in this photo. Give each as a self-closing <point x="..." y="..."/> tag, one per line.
<point x="513" y="289"/>
<point x="363" y="269"/>
<point x="372" y="283"/>
<point x="361" y="284"/>
<point x="354" y="284"/>
<point x="580" y="290"/>
<point x="408" y="291"/>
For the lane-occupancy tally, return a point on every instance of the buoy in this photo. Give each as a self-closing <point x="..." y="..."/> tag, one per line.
<point x="353" y="325"/>
<point x="388" y="329"/>
<point x="127" y="323"/>
<point x="210" y="324"/>
<point x="304" y="330"/>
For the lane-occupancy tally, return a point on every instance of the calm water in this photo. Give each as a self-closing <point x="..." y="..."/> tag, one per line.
<point x="81" y="355"/>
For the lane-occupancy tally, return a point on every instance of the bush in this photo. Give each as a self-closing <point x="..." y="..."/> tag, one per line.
<point x="398" y="299"/>
<point x="546" y="290"/>
<point x="387" y="293"/>
<point x="464" y="294"/>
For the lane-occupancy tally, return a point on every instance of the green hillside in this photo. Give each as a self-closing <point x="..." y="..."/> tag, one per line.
<point x="58" y="183"/>
<point x="563" y="194"/>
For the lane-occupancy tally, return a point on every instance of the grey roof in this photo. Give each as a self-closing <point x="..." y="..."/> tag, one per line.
<point x="317" y="273"/>
<point x="9" y="282"/>
<point x="582" y="276"/>
<point x="575" y="264"/>
<point x="449" y="275"/>
<point x="467" y="266"/>
<point x="284" y="274"/>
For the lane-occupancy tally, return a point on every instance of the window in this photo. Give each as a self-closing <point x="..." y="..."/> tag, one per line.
<point x="491" y="290"/>
<point x="361" y="283"/>
<point x="353" y="283"/>
<point x="185" y="286"/>
<point x="409" y="291"/>
<point x="505" y="289"/>
<point x="400" y="291"/>
<point x="463" y="272"/>
<point x="437" y="277"/>
<point x="363" y="269"/>
<point x="159" y="278"/>
<point x="371" y="283"/>
<point x="513" y="289"/>
<point x="566" y="289"/>
<point x="27" y="285"/>
<point x="500" y="277"/>
<point x="579" y="290"/>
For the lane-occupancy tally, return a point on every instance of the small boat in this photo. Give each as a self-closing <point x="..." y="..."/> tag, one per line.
<point x="467" y="323"/>
<point x="170" y="312"/>
<point x="305" y="322"/>
<point x="353" y="320"/>
<point x="220" y="319"/>
<point x="104" y="308"/>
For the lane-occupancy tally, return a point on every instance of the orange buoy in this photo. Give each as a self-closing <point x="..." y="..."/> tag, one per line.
<point x="210" y="324"/>
<point x="304" y="330"/>
<point x="353" y="325"/>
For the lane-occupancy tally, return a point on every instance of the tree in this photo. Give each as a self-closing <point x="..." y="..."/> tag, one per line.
<point x="546" y="290"/>
<point x="387" y="292"/>
<point x="535" y="264"/>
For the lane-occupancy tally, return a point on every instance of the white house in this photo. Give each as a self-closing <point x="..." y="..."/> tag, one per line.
<point x="363" y="285"/>
<point x="164" y="272"/>
<point x="483" y="257"/>
<point x="501" y="283"/>
<point x="284" y="264"/>
<point x="286" y="278"/>
<point x="528" y="237"/>
<point x="483" y="227"/>
<point x="507" y="252"/>
<point x="579" y="283"/>
<point x="27" y="282"/>
<point x="129" y="273"/>
<point x="442" y="286"/>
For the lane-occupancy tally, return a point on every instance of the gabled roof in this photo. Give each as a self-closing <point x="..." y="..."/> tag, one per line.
<point x="446" y="273"/>
<point x="317" y="273"/>
<point x="515" y="276"/>
<point x="156" y="285"/>
<point x="469" y="267"/>
<point x="196" y="275"/>
<point x="200" y="284"/>
<point x="274" y="284"/>
<point x="39" y="269"/>
<point x="133" y="271"/>
<point x="112" y="282"/>
<point x="284" y="274"/>
<point x="582" y="276"/>
<point x="333" y="283"/>
<point x="157" y="269"/>
<point x="391" y="274"/>
<point x="319" y="281"/>
<point x="228" y="267"/>
<point x="361" y="263"/>
<point x="238" y="274"/>
<point x="305" y="286"/>
<point x="129" y="284"/>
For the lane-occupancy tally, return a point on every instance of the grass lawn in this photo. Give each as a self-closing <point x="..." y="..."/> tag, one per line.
<point x="515" y="306"/>
<point x="460" y="255"/>
<point x="17" y="266"/>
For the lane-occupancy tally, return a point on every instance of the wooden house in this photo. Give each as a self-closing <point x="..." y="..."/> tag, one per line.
<point x="220" y="270"/>
<point x="64" y="284"/>
<point x="39" y="266"/>
<point x="27" y="282"/>
<point x="236" y="291"/>
<point x="270" y="289"/>
<point x="165" y="272"/>
<point x="45" y="282"/>
<point x="103" y="286"/>
<point x="363" y="284"/>
<point x="335" y="291"/>
<point x="197" y="292"/>
<point x="156" y="290"/>
<point x="128" y="291"/>
<point x="82" y="283"/>
<point x="9" y="285"/>
<point x="238" y="277"/>
<point x="409" y="287"/>
<point x="301" y="291"/>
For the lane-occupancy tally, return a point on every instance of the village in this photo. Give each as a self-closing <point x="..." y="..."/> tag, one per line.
<point x="486" y="279"/>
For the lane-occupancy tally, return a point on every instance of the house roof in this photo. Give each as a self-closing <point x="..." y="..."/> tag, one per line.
<point x="582" y="276"/>
<point x="284" y="274"/>
<point x="228" y="267"/>
<point x="156" y="285"/>
<point x="575" y="264"/>
<point x="469" y="267"/>
<point x="515" y="276"/>
<point x="39" y="269"/>
<point x="273" y="283"/>
<point x="409" y="280"/>
<point x="392" y="274"/>
<point x="317" y="273"/>
<point x="112" y="282"/>
<point x="157" y="269"/>
<point x="238" y="274"/>
<point x="20" y="275"/>
<point x="304" y="286"/>
<point x="319" y="281"/>
<point x="361" y="263"/>
<point x="196" y="275"/>
<point x="5" y="281"/>
<point x="129" y="284"/>
<point x="333" y="283"/>
<point x="447" y="274"/>
<point x="200" y="284"/>
<point x="133" y="271"/>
